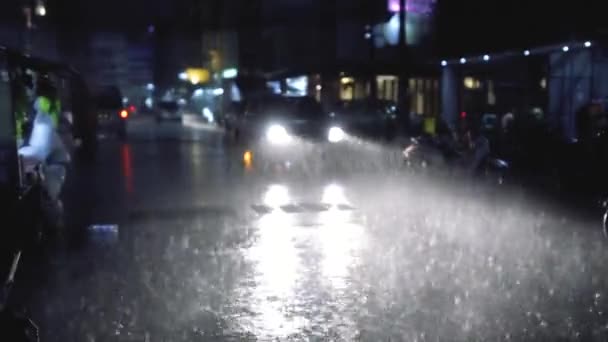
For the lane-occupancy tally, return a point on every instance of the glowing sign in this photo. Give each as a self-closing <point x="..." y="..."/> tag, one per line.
<point x="198" y="75"/>
<point x="414" y="6"/>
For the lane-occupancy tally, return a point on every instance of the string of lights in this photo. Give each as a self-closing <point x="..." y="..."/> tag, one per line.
<point x="485" y="58"/>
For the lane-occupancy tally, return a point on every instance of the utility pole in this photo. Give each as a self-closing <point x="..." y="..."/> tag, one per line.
<point x="31" y="9"/>
<point x="29" y="26"/>
<point x="404" y="75"/>
<point x="369" y="36"/>
<point x="373" y="84"/>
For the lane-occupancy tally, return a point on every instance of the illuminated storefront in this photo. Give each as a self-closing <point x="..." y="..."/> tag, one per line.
<point x="551" y="82"/>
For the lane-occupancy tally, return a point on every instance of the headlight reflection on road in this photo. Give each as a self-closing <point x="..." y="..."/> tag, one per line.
<point x="336" y="134"/>
<point x="333" y="194"/>
<point x="284" y="249"/>
<point x="277" y="268"/>
<point x="340" y="243"/>
<point x="276" y="196"/>
<point x="339" y="237"/>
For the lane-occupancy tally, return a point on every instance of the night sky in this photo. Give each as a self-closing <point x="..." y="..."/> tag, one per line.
<point x="491" y="25"/>
<point x="463" y="25"/>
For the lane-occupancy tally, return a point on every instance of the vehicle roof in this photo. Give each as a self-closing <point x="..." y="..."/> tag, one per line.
<point x="40" y="63"/>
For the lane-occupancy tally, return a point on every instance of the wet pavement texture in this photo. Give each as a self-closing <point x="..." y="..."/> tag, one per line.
<point x="207" y="250"/>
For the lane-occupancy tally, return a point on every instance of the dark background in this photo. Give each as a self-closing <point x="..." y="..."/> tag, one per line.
<point x="462" y="26"/>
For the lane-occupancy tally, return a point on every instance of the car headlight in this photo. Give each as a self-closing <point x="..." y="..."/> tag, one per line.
<point x="336" y="134"/>
<point x="277" y="134"/>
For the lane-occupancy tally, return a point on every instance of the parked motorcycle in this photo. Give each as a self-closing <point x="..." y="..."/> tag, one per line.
<point x="13" y="326"/>
<point x="31" y="207"/>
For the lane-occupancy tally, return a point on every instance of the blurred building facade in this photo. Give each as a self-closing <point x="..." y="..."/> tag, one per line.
<point x="343" y="50"/>
<point x="525" y="58"/>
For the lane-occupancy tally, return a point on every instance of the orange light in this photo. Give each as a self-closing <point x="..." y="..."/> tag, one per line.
<point x="124" y="113"/>
<point x="248" y="158"/>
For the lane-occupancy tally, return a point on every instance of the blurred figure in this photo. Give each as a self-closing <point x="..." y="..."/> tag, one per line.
<point x="45" y="146"/>
<point x="478" y="147"/>
<point x="584" y="123"/>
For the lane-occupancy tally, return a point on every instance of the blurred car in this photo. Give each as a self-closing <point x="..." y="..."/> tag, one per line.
<point x="278" y="120"/>
<point x="168" y="111"/>
<point x="283" y="129"/>
<point x="111" y="115"/>
<point x="367" y="119"/>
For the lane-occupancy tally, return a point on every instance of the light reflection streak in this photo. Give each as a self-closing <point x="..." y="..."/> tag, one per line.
<point x="338" y="236"/>
<point x="276" y="275"/>
<point x="127" y="167"/>
<point x="276" y="196"/>
<point x="333" y="194"/>
<point x="281" y="257"/>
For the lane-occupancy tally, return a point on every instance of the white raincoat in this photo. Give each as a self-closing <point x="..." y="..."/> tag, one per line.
<point x="46" y="147"/>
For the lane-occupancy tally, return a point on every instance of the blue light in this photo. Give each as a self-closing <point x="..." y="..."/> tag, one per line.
<point x="230" y="73"/>
<point x="198" y="92"/>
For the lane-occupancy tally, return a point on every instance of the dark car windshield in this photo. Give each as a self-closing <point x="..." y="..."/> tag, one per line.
<point x="287" y="108"/>
<point x="170" y="106"/>
<point x="109" y="98"/>
<point x="308" y="108"/>
<point x="366" y="108"/>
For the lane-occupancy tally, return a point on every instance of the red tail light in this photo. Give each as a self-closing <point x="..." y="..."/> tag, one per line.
<point x="124" y="114"/>
<point x="132" y="109"/>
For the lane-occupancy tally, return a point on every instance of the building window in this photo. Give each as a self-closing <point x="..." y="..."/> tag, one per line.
<point x="387" y="85"/>
<point x="347" y="88"/>
<point x="491" y="94"/>
<point x="471" y="83"/>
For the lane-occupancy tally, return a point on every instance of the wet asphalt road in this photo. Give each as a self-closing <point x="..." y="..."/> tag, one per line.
<point x="207" y="250"/>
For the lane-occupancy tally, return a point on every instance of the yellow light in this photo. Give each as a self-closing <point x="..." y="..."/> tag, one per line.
<point x="198" y="75"/>
<point x="248" y="158"/>
<point x="347" y="80"/>
<point x="471" y="83"/>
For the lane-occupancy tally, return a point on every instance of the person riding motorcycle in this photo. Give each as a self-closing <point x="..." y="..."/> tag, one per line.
<point x="46" y="148"/>
<point x="477" y="149"/>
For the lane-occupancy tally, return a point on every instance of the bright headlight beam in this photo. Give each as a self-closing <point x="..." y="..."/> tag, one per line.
<point x="277" y="134"/>
<point x="276" y="196"/>
<point x="336" y="134"/>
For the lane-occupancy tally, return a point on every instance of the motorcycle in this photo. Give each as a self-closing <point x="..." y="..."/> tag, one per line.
<point x="433" y="156"/>
<point x="13" y="326"/>
<point x="32" y="207"/>
<point x="29" y="207"/>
